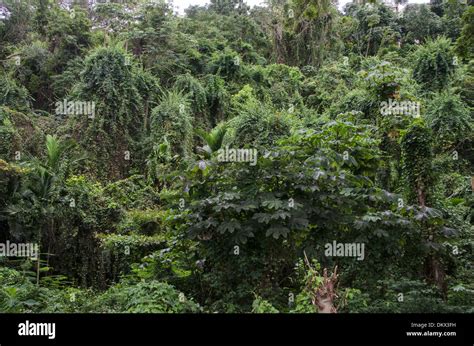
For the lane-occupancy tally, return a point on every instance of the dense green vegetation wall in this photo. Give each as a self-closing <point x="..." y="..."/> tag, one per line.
<point x="229" y="160"/>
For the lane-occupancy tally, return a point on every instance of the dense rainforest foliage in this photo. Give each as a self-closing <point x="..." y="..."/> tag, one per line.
<point x="294" y="157"/>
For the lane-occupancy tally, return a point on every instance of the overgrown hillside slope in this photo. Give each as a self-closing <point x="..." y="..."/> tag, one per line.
<point x="286" y="158"/>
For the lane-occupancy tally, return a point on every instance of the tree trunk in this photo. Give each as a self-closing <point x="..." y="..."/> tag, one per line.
<point x="326" y="293"/>
<point x="435" y="274"/>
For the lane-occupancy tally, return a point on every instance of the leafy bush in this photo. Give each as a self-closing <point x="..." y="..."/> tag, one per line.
<point x="13" y="95"/>
<point x="171" y="120"/>
<point x="262" y="306"/>
<point x="433" y="64"/>
<point x="420" y="23"/>
<point x="258" y="124"/>
<point x="449" y="118"/>
<point x="19" y="135"/>
<point x="146" y="297"/>
<point x="193" y="88"/>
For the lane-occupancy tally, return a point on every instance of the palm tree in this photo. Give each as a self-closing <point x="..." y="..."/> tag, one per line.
<point x="43" y="188"/>
<point x="213" y="139"/>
